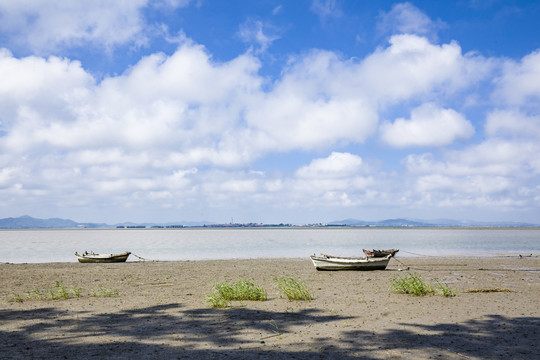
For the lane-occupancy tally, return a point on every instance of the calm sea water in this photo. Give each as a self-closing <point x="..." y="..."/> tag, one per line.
<point x="38" y="246"/>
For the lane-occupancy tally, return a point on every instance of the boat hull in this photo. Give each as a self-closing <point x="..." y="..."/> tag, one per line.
<point x="326" y="262"/>
<point x="102" y="258"/>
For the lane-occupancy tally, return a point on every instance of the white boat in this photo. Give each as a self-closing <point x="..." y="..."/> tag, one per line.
<point x="329" y="262"/>
<point x="90" y="257"/>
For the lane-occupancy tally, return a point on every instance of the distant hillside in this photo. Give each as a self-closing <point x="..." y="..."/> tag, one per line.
<point x="431" y="223"/>
<point x="28" y="222"/>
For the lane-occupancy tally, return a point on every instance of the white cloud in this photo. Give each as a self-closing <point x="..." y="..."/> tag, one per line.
<point x="326" y="9"/>
<point x="412" y="66"/>
<point x="307" y="108"/>
<point x="405" y="18"/>
<point x="46" y="26"/>
<point x="519" y="84"/>
<point x="179" y="103"/>
<point x="512" y="123"/>
<point x="492" y="157"/>
<point x="429" y="125"/>
<point x="495" y="175"/>
<point x="335" y="165"/>
<point x="321" y="99"/>
<point x="258" y="33"/>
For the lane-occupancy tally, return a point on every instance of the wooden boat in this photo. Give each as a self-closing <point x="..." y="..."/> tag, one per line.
<point x="380" y="253"/>
<point x="90" y="257"/>
<point x="330" y="262"/>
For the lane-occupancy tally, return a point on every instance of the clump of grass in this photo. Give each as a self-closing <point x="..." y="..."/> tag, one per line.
<point x="412" y="284"/>
<point x="37" y="294"/>
<point x="292" y="288"/>
<point x="56" y="292"/>
<point x="444" y="289"/>
<point x="487" y="290"/>
<point x="16" y="298"/>
<point x="217" y="301"/>
<point x="61" y="291"/>
<point x="104" y="292"/>
<point x="239" y="290"/>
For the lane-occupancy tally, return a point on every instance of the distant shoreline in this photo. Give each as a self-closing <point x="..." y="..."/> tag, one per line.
<point x="289" y="228"/>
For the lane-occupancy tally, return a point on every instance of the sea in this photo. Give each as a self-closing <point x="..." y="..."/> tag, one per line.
<point x="45" y="246"/>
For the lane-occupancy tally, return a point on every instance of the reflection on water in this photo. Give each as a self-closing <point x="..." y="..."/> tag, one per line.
<point x="36" y="246"/>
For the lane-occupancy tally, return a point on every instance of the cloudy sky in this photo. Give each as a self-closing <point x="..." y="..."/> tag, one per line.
<point x="270" y="111"/>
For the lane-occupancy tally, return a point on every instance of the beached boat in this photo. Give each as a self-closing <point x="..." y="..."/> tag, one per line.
<point x="380" y="253"/>
<point x="90" y="257"/>
<point x="330" y="262"/>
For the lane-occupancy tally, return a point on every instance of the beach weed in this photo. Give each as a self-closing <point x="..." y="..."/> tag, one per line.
<point x="37" y="294"/>
<point x="275" y="326"/>
<point x="242" y="290"/>
<point x="412" y="284"/>
<point x="16" y="298"/>
<point x="61" y="291"/>
<point x="217" y="301"/>
<point x="293" y="289"/>
<point x="56" y="292"/>
<point x="52" y="294"/>
<point x="444" y="289"/>
<point x="104" y="292"/>
<point x="238" y="290"/>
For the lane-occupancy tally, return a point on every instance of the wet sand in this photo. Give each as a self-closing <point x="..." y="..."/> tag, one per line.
<point x="160" y="311"/>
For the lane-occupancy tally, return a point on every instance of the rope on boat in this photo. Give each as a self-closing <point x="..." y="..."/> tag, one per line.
<point x="408" y="252"/>
<point x="141" y="258"/>
<point x="405" y="267"/>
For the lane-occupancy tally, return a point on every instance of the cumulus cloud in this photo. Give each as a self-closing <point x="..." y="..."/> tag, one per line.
<point x="412" y="67"/>
<point x="519" y="84"/>
<point x="335" y="165"/>
<point x="45" y="26"/>
<point x="495" y="173"/>
<point x="405" y="18"/>
<point x="512" y="123"/>
<point x="429" y="125"/>
<point x="147" y="135"/>
<point x="337" y="180"/>
<point x="322" y="99"/>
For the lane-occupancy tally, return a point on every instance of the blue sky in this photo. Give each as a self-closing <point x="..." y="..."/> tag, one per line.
<point x="270" y="111"/>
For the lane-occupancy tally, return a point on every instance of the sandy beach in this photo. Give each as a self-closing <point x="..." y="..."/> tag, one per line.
<point x="159" y="310"/>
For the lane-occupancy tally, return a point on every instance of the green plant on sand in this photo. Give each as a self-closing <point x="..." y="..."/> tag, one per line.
<point x="104" y="292"/>
<point x="444" y="289"/>
<point x="292" y="288"/>
<point x="412" y="284"/>
<point x="239" y="290"/>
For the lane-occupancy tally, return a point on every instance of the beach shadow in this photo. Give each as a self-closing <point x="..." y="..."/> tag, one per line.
<point x="241" y="332"/>
<point x="148" y="333"/>
<point x="494" y="336"/>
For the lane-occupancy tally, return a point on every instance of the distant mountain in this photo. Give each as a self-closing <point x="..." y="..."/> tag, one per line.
<point x="28" y="222"/>
<point x="431" y="223"/>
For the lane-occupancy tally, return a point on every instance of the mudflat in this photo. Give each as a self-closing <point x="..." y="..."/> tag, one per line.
<point x="154" y="310"/>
